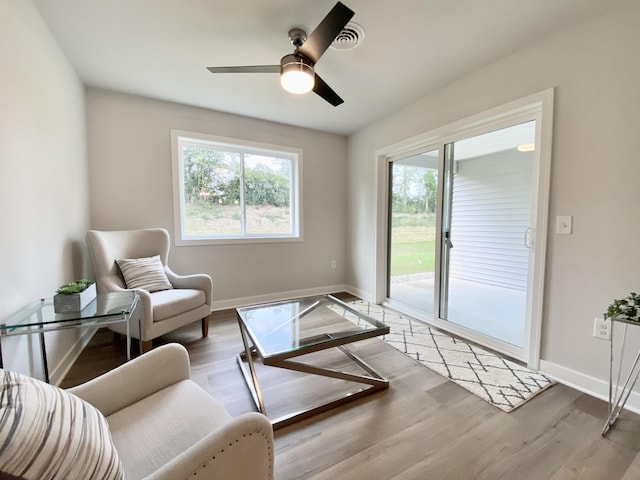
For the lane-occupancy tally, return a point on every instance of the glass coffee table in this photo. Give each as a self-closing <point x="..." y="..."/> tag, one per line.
<point x="276" y="333"/>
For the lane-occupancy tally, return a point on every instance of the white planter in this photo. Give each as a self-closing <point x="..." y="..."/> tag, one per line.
<point x="74" y="302"/>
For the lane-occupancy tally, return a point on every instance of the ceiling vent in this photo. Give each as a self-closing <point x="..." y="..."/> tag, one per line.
<point x="349" y="38"/>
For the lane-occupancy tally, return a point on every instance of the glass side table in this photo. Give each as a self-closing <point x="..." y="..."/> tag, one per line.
<point x="39" y="317"/>
<point x="619" y="389"/>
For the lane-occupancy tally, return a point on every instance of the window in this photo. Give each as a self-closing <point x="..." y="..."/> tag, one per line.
<point x="233" y="191"/>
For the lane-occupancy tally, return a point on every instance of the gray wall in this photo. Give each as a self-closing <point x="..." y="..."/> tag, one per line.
<point x="131" y="187"/>
<point x="594" y="177"/>
<point x="43" y="176"/>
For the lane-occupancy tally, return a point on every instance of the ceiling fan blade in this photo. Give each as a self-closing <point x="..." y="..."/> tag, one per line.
<point x="328" y="29"/>
<point x="246" y="69"/>
<point x="326" y="92"/>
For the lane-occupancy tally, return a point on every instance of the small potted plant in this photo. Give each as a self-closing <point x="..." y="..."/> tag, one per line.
<point x="74" y="296"/>
<point x="627" y="308"/>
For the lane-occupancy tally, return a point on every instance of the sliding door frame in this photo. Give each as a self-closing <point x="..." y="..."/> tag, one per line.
<point x="538" y="107"/>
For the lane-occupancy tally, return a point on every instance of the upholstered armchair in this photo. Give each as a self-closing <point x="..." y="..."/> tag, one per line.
<point x="137" y="260"/>
<point x="143" y="420"/>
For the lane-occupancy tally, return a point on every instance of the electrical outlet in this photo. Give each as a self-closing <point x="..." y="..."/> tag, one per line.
<point x="602" y="329"/>
<point x="334" y="264"/>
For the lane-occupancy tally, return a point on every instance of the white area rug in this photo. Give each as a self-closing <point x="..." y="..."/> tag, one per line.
<point x="503" y="383"/>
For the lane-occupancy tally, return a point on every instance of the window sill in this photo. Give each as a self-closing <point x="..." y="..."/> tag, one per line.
<point x="195" y="241"/>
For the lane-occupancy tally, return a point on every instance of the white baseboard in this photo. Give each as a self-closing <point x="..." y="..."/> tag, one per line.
<point x="586" y="384"/>
<point x="276" y="297"/>
<point x="366" y="296"/>
<point x="59" y="371"/>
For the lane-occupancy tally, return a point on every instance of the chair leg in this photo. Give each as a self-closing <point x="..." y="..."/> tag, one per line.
<point x="205" y="326"/>
<point x="146" y="345"/>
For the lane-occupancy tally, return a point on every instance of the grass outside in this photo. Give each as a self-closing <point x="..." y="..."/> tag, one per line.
<point x="225" y="219"/>
<point x="413" y="243"/>
<point x="412" y="257"/>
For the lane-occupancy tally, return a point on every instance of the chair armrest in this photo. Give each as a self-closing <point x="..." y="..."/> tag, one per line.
<point x="113" y="283"/>
<point x="198" y="281"/>
<point x="243" y="448"/>
<point x="137" y="379"/>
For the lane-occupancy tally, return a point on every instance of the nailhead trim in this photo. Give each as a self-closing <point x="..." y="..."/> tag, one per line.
<point x="244" y="435"/>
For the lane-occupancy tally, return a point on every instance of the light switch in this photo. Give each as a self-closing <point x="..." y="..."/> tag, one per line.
<point x="564" y="224"/>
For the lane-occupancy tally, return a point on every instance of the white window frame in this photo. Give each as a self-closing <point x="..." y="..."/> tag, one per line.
<point x="178" y="137"/>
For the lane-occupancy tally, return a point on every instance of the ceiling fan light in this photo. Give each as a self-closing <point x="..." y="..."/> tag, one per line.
<point x="296" y="76"/>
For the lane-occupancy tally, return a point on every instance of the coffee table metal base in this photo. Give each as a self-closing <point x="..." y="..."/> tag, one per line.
<point x="246" y="363"/>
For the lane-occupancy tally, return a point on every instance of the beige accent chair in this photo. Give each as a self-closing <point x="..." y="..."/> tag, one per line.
<point x="164" y="426"/>
<point x="159" y="312"/>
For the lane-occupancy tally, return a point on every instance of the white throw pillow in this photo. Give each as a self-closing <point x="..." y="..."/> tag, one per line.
<point x="48" y="433"/>
<point x="144" y="273"/>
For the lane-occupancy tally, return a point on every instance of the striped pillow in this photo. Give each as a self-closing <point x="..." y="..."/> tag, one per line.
<point x="145" y="273"/>
<point x="48" y="433"/>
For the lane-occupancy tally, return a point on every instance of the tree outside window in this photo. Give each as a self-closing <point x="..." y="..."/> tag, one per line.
<point x="236" y="191"/>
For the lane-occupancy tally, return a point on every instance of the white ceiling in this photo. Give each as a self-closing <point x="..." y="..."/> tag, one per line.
<point x="161" y="48"/>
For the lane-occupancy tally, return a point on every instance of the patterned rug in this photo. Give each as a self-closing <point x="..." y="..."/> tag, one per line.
<point x="503" y="383"/>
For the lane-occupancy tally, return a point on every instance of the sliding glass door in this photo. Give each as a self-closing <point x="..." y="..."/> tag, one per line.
<point x="461" y="233"/>
<point x="413" y="185"/>
<point x="487" y="232"/>
<point x="461" y="223"/>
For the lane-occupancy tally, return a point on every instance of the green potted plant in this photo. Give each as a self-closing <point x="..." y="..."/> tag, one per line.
<point x="74" y="296"/>
<point x="627" y="308"/>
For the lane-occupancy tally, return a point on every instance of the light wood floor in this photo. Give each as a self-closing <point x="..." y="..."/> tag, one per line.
<point x="423" y="427"/>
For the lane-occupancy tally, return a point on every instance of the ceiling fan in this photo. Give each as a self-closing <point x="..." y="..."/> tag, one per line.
<point x="296" y="69"/>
